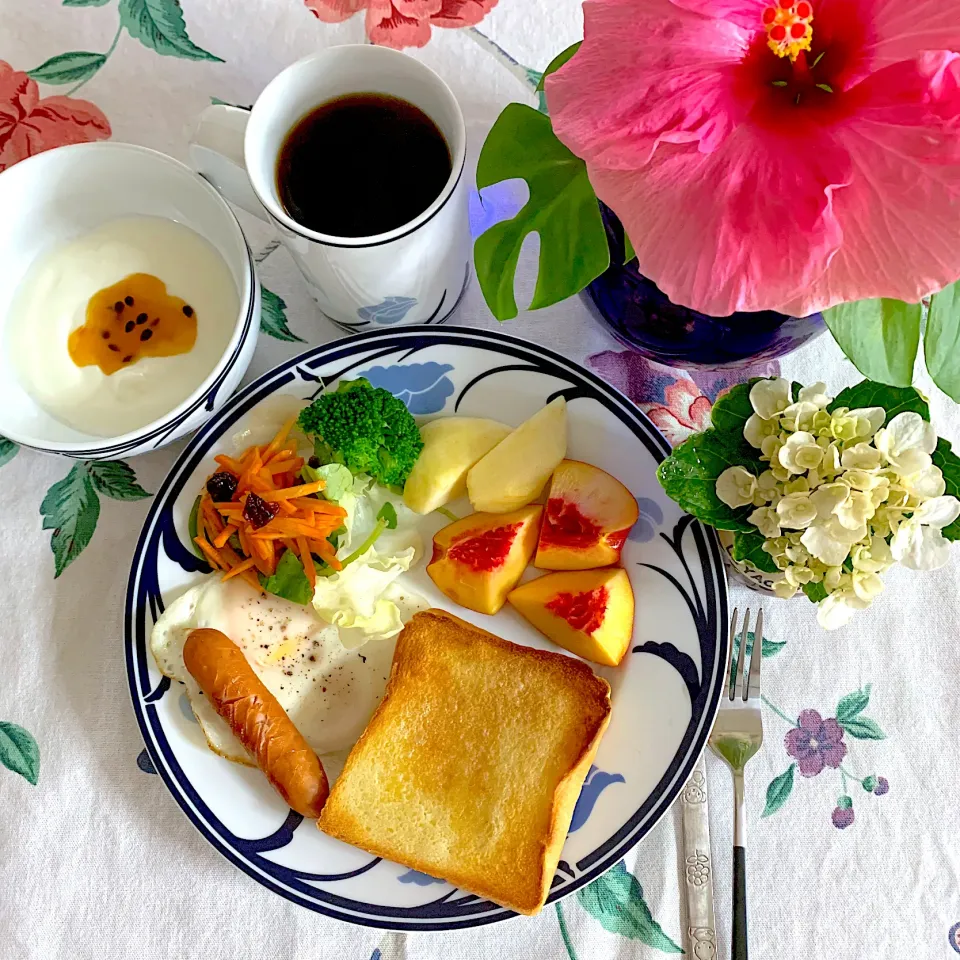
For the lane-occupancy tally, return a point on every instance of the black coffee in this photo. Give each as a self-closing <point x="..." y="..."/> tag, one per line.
<point x="362" y="164"/>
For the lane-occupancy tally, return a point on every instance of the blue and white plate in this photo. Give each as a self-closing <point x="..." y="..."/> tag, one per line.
<point x="665" y="693"/>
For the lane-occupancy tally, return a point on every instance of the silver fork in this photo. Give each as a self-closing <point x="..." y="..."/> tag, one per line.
<point x="736" y="737"/>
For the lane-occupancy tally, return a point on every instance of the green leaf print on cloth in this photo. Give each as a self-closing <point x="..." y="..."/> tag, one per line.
<point x="71" y="507"/>
<point x="8" y="450"/>
<point x="273" y="317"/>
<point x="817" y="744"/>
<point x="68" y="67"/>
<point x="19" y="751"/>
<point x="616" y="901"/>
<point x="159" y="25"/>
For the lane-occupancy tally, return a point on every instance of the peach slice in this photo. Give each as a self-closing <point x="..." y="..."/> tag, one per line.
<point x="587" y="518"/>
<point x="477" y="561"/>
<point x="588" y="612"/>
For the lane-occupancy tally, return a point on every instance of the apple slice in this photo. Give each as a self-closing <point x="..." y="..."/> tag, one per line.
<point x="514" y="472"/>
<point x="451" y="446"/>
<point x="588" y="612"/>
<point x="587" y="518"/>
<point x="477" y="561"/>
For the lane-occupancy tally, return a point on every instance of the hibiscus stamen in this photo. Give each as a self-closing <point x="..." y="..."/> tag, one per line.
<point x="788" y="27"/>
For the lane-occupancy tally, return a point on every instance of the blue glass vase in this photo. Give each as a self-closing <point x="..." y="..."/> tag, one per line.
<point x="641" y="316"/>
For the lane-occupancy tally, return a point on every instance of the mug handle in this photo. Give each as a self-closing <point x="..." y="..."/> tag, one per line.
<point x="216" y="153"/>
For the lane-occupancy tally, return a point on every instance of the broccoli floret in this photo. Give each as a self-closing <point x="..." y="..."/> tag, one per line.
<point x="365" y="428"/>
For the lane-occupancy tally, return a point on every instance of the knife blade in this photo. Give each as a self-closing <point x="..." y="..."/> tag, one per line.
<point x="697" y="877"/>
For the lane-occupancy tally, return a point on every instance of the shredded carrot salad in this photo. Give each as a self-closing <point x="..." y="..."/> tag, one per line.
<point x="271" y="511"/>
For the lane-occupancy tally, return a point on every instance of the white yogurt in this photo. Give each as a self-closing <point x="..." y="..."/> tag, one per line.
<point x="51" y="301"/>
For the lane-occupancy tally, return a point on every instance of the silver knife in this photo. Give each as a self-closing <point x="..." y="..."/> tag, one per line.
<point x="697" y="879"/>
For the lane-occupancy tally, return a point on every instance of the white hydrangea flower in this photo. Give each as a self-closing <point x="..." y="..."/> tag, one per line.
<point x="907" y="442"/>
<point x="856" y="510"/>
<point x="866" y="585"/>
<point x="770" y="397"/>
<point x="784" y="589"/>
<point x="767" y="521"/>
<point x="736" y="486"/>
<point x="816" y="394"/>
<point x="756" y="429"/>
<point x="800" y="453"/>
<point x="925" y="484"/>
<point x="918" y="542"/>
<point x="830" y="541"/>
<point x="827" y="497"/>
<point x="869" y="420"/>
<point x="796" y="511"/>
<point x="861" y="456"/>
<point x="874" y="557"/>
<point x="843" y="426"/>
<point x="837" y="609"/>
<point x="800" y="416"/>
<point x="797" y="575"/>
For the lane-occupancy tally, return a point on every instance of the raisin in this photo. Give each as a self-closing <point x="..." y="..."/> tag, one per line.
<point x="258" y="511"/>
<point x="222" y="486"/>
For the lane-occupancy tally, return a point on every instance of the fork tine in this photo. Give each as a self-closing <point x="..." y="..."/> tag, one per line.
<point x="730" y="661"/>
<point x="738" y="692"/>
<point x="753" y="679"/>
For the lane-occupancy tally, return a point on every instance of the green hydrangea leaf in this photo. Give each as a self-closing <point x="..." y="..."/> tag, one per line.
<point x="68" y="67"/>
<point x="689" y="476"/>
<point x="71" y="510"/>
<point x="557" y="62"/>
<point x="941" y="341"/>
<point x="881" y="337"/>
<point x="562" y="210"/>
<point x="949" y="464"/>
<point x="778" y="791"/>
<point x="616" y="901"/>
<point x="273" y="317"/>
<point x="732" y="410"/>
<point x="894" y="400"/>
<point x="159" y="25"/>
<point x="114" y="478"/>
<point x="8" y="450"/>
<point x="748" y="546"/>
<point x="19" y="751"/>
<point x="815" y="591"/>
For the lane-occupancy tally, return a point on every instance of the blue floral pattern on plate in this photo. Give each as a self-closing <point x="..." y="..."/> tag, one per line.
<point x="423" y="387"/>
<point x="389" y="310"/>
<point x="651" y="516"/>
<point x="596" y="782"/>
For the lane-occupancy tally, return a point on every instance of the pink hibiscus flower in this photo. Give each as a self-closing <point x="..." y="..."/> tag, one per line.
<point x="403" y="23"/>
<point x="788" y="156"/>
<point x="29" y="125"/>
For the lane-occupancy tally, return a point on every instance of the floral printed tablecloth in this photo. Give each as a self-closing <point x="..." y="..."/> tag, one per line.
<point x="854" y="822"/>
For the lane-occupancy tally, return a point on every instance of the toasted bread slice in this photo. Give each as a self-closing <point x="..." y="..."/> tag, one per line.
<point x="471" y="766"/>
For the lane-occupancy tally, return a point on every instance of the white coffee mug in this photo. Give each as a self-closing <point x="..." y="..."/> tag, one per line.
<point x="413" y="274"/>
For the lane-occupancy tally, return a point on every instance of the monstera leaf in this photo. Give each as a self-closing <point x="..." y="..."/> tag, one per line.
<point x="562" y="210"/>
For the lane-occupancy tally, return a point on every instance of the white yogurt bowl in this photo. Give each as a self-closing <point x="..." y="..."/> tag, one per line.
<point x="57" y="196"/>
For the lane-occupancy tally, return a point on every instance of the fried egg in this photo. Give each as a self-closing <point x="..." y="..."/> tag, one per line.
<point x="327" y="690"/>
